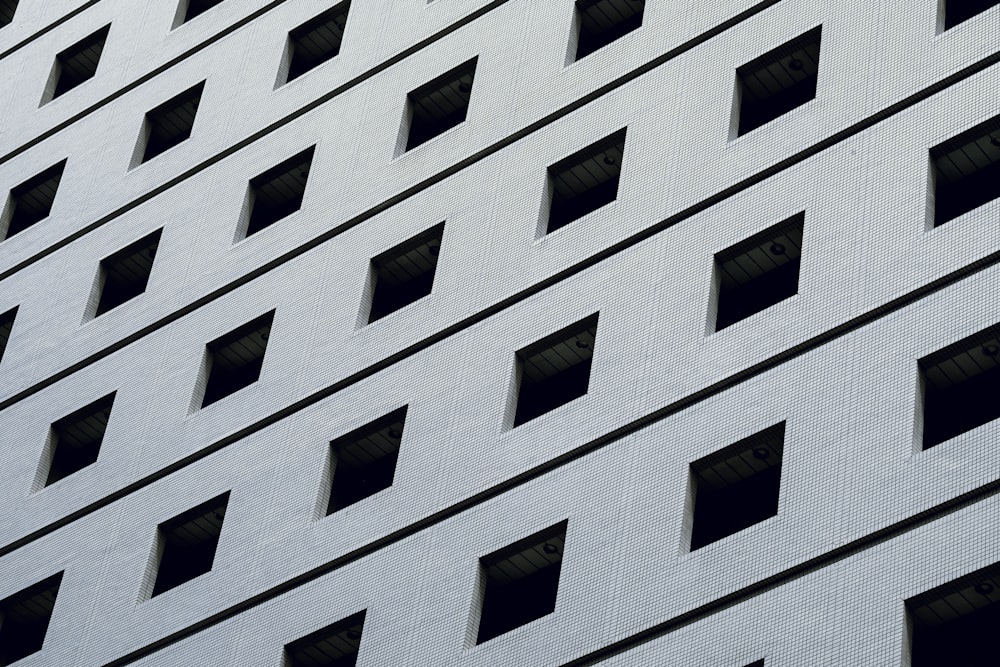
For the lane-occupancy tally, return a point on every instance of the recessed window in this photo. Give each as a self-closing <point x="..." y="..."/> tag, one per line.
<point x="736" y="487"/>
<point x="959" y="11"/>
<point x="24" y="619"/>
<point x="363" y="462"/>
<point x="186" y="544"/>
<point x="778" y="81"/>
<point x="966" y="171"/>
<point x="336" y="645"/>
<point x="404" y="274"/>
<point x="6" y="326"/>
<point x="758" y="272"/>
<point x="124" y="275"/>
<point x="278" y="192"/>
<point x="585" y="181"/>
<point x="601" y="22"/>
<point x="520" y="582"/>
<point x="438" y="105"/>
<point x="7" y="9"/>
<point x="234" y="361"/>
<point x="31" y="202"/>
<point x="169" y="124"/>
<point x="555" y="370"/>
<point x="76" y="64"/>
<point x="315" y="42"/>
<point x="960" y="384"/>
<point x="190" y="9"/>
<point x="75" y="440"/>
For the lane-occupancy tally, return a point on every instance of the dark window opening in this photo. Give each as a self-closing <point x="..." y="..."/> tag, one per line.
<point x="194" y="8"/>
<point x="758" y="272"/>
<point x="7" y="9"/>
<point x="188" y="543"/>
<point x="125" y="274"/>
<point x="364" y="460"/>
<point x="405" y="274"/>
<point x="316" y="41"/>
<point x="521" y="582"/>
<point x="31" y="202"/>
<point x="336" y="645"/>
<point x="78" y="63"/>
<point x="278" y="192"/>
<point x="24" y="619"/>
<point x="959" y="11"/>
<point x="6" y="326"/>
<point x="966" y="171"/>
<point x="778" y="81"/>
<point x="76" y="439"/>
<point x="234" y="361"/>
<point x="604" y="21"/>
<point x="439" y="105"/>
<point x="171" y="123"/>
<point x="555" y="370"/>
<point x="585" y="181"/>
<point x="737" y="487"/>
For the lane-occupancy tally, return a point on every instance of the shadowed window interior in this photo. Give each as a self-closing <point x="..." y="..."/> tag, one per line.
<point x="604" y="21"/>
<point x="170" y="123"/>
<point x="187" y="543"/>
<point x="960" y="11"/>
<point x="6" y="326"/>
<point x="7" y="9"/>
<point x="31" y="201"/>
<point x="439" y="105"/>
<point x="278" y="192"/>
<point x="404" y="274"/>
<point x="234" y="361"/>
<point x="336" y="645"/>
<point x="737" y="487"/>
<point x="125" y="274"/>
<point x="76" y="64"/>
<point x="191" y="9"/>
<point x="758" y="272"/>
<point x="363" y="462"/>
<point x="521" y="582"/>
<point x="778" y="81"/>
<point x="585" y="181"/>
<point x="24" y="619"/>
<point x="76" y="439"/>
<point x="316" y="41"/>
<point x="966" y="171"/>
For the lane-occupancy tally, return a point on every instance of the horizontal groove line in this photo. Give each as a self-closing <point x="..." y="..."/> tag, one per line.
<point x="49" y="28"/>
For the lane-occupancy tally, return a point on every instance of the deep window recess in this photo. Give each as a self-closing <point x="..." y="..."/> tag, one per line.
<point x="170" y="123"/>
<point x="404" y="274"/>
<point x="278" y="192"/>
<point x="31" y="201"/>
<point x="75" y="440"/>
<point x="124" y="275"/>
<point x="316" y="41"/>
<point x="555" y="370"/>
<point x="604" y="21"/>
<point x="966" y="171"/>
<point x="24" y="619"/>
<point x="758" y="272"/>
<point x="585" y="181"/>
<point x="186" y="544"/>
<point x="959" y="11"/>
<point x="336" y="645"/>
<point x="76" y="65"/>
<point x="960" y="383"/>
<point x="521" y="582"/>
<point x="778" y="81"/>
<point x="6" y="326"/>
<point x="7" y="9"/>
<point x="363" y="462"/>
<point x="234" y="361"/>
<point x="737" y="487"/>
<point x="439" y="105"/>
<point x="190" y="9"/>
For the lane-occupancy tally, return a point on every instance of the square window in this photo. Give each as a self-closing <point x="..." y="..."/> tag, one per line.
<point x="965" y="171"/>
<point x="315" y="42"/>
<point x="191" y="9"/>
<point x="124" y="275"/>
<point x="169" y="124"/>
<point x="758" y="272"/>
<point x="186" y="544"/>
<point x="7" y="9"/>
<point x="438" y="105"/>
<point x="76" y="65"/>
<point x="363" y="462"/>
<point x="278" y="192"/>
<point x="404" y="274"/>
<point x="521" y="582"/>
<point x="75" y="440"/>
<point x="31" y="202"/>
<point x="555" y="370"/>
<point x="778" y="81"/>
<point x="736" y="487"/>
<point x="234" y="361"/>
<point x="24" y="619"/>
<point x="6" y="326"/>
<point x="601" y="22"/>
<point x="959" y="11"/>
<point x="336" y="645"/>
<point x="585" y="181"/>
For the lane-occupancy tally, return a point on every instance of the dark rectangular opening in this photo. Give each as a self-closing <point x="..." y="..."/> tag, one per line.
<point x="7" y="9"/>
<point x="405" y="274"/>
<point x="188" y="542"/>
<point x="364" y="461"/>
<point x="278" y="192"/>
<point x="758" y="272"/>
<point x="196" y="8"/>
<point x="78" y="63"/>
<point x="966" y="171"/>
<point x="316" y="41"/>
<point x="31" y="202"/>
<point x="76" y="439"/>
<point x="336" y="645"/>
<point x="960" y="11"/>
<point x="439" y="105"/>
<point x="778" y="81"/>
<point x="521" y="582"/>
<point x="171" y="123"/>
<point x="24" y="619"/>
<point x="236" y="359"/>
<point x="6" y="326"/>
<point x="585" y="181"/>
<point x="125" y="274"/>
<point x="604" y="21"/>
<point x="737" y="487"/>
